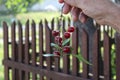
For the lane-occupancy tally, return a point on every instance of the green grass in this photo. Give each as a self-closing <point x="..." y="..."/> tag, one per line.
<point x="36" y="16"/>
<point x="1" y="58"/>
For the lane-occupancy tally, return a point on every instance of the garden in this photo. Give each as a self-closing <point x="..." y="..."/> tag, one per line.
<point x="50" y="64"/>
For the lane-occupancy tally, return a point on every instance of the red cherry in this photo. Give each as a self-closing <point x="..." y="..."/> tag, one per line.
<point x="55" y="33"/>
<point x="67" y="35"/>
<point x="71" y="29"/>
<point x="66" y="49"/>
<point x="56" y="53"/>
<point x="58" y="39"/>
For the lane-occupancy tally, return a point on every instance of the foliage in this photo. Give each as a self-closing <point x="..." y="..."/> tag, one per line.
<point x="18" y="6"/>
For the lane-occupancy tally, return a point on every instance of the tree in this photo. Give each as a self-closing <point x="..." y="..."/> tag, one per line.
<point x="18" y="6"/>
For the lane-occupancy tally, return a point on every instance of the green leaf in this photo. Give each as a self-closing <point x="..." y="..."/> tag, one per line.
<point x="80" y="58"/>
<point x="48" y="55"/>
<point x="54" y="45"/>
<point x="65" y="42"/>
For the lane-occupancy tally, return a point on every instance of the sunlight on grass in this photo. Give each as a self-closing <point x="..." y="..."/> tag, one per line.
<point x="1" y="58"/>
<point x="37" y="16"/>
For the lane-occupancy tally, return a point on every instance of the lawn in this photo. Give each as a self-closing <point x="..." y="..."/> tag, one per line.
<point x="1" y="58"/>
<point x="36" y="16"/>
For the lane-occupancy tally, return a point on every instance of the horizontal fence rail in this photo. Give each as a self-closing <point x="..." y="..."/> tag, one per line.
<point x="24" y="47"/>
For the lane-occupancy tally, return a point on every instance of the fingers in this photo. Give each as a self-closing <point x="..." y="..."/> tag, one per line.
<point x="60" y="1"/>
<point x="66" y="8"/>
<point x="82" y="17"/>
<point x="75" y="13"/>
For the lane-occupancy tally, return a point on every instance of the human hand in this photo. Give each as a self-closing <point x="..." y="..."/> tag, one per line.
<point x="97" y="9"/>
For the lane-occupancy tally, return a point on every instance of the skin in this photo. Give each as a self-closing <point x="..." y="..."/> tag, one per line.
<point x="103" y="11"/>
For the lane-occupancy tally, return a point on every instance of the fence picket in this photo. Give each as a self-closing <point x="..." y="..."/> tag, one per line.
<point x="75" y="63"/>
<point x="84" y="50"/>
<point x="56" y="60"/>
<point x="107" y="66"/>
<point x="27" y="46"/>
<point x="95" y="55"/>
<point x="33" y="28"/>
<point x="6" y="50"/>
<point x="48" y="47"/>
<point x="117" y="37"/>
<point x="41" y="43"/>
<point x="66" y="58"/>
<point x="53" y="24"/>
<point x="20" y="49"/>
<point x="41" y="46"/>
<point x="13" y="42"/>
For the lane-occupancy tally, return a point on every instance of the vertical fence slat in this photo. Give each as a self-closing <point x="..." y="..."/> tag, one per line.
<point x="33" y="48"/>
<point x="84" y="50"/>
<point x="27" y="48"/>
<point x="95" y="56"/>
<point x="53" y="24"/>
<point x="13" y="41"/>
<point x="41" y="46"/>
<point x="117" y="36"/>
<point x="41" y="43"/>
<point x="48" y="47"/>
<point x="20" y="49"/>
<point x="66" y="59"/>
<point x="57" y="60"/>
<point x="48" y="41"/>
<point x="6" y="50"/>
<point x="75" y="51"/>
<point x="106" y="44"/>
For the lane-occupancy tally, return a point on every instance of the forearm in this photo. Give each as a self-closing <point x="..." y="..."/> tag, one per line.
<point x="113" y="18"/>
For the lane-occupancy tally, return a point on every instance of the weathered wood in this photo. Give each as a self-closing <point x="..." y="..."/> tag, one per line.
<point x="20" y="48"/>
<point x="13" y="42"/>
<point x="33" y="29"/>
<point x="84" y="51"/>
<point x="48" y="47"/>
<point x="56" y="60"/>
<point x="75" y="63"/>
<point x="27" y="46"/>
<point x="6" y="50"/>
<point x="41" y="44"/>
<point x="66" y="58"/>
<point x="53" y="24"/>
<point x="48" y="41"/>
<point x="117" y="37"/>
<point x="107" y="67"/>
<point x="95" y="56"/>
<point x="54" y="75"/>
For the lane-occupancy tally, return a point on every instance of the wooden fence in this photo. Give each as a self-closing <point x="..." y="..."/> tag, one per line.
<point x="24" y="47"/>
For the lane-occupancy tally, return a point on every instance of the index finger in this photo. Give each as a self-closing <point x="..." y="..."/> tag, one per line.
<point x="60" y="1"/>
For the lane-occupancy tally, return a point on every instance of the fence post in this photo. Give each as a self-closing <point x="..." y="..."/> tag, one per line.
<point x="117" y="39"/>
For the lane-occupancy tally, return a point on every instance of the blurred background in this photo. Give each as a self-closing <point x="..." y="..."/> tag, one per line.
<point x="22" y="10"/>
